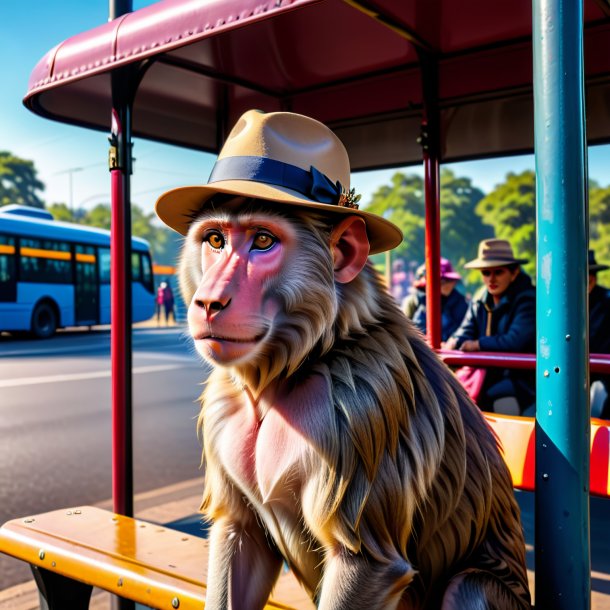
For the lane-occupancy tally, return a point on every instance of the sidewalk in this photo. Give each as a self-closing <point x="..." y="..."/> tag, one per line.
<point x="180" y="500"/>
<point x="153" y="323"/>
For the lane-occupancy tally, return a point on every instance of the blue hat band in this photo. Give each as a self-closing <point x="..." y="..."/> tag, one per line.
<point x="313" y="184"/>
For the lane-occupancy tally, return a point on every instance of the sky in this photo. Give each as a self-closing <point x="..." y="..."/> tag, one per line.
<point x="72" y="161"/>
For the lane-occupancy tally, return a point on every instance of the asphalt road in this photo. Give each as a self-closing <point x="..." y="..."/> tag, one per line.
<point x="55" y="420"/>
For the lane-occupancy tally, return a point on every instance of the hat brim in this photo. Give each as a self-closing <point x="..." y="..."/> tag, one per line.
<point x="478" y="263"/>
<point x="178" y="207"/>
<point x="597" y="267"/>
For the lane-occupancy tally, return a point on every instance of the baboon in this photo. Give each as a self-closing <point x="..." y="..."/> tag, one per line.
<point x="334" y="438"/>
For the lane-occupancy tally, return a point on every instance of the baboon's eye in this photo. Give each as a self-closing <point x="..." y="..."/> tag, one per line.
<point x="263" y="241"/>
<point x="215" y="239"/>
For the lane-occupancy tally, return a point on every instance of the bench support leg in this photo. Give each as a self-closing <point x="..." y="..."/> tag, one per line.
<point x="60" y="593"/>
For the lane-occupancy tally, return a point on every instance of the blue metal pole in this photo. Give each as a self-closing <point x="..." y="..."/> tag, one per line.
<point x="563" y="578"/>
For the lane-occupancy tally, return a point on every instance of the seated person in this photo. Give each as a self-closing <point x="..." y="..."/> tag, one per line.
<point x="599" y="337"/>
<point x="502" y="319"/>
<point x="453" y="302"/>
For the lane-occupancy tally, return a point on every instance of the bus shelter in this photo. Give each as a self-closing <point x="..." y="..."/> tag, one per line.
<point x="400" y="83"/>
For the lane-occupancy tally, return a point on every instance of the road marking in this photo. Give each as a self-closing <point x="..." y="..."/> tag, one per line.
<point x="13" y="383"/>
<point x="23" y="353"/>
<point x="193" y="359"/>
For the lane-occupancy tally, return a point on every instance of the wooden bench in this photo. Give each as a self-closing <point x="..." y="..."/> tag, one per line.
<point x="73" y="550"/>
<point x="517" y="437"/>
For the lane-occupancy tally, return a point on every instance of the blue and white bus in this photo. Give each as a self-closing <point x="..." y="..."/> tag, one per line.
<point x="55" y="274"/>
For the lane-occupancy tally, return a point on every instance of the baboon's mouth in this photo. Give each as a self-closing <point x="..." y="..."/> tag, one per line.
<point x="213" y="337"/>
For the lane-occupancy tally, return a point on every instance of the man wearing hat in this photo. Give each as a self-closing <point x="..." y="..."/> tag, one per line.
<point x="503" y="319"/>
<point x="599" y="335"/>
<point x="453" y="302"/>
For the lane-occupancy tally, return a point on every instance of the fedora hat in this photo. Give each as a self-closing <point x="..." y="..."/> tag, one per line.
<point x="282" y="157"/>
<point x="594" y="266"/>
<point x="494" y="253"/>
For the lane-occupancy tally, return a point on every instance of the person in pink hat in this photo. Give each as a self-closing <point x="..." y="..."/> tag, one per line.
<point x="453" y="302"/>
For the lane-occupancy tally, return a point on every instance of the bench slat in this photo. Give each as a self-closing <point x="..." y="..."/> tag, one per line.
<point x="142" y="561"/>
<point x="517" y="437"/>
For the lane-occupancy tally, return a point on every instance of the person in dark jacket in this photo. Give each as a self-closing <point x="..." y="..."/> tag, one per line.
<point x="453" y="302"/>
<point x="502" y="319"/>
<point x="599" y="332"/>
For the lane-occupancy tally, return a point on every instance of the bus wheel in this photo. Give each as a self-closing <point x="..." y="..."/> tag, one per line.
<point x="44" y="321"/>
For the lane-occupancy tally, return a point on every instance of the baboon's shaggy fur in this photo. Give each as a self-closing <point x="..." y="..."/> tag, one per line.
<point x="398" y="466"/>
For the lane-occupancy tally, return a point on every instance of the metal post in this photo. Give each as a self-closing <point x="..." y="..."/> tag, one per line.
<point x="430" y="139"/>
<point x="120" y="283"/>
<point x="563" y="578"/>
<point x="116" y="8"/>
<point x="433" y="248"/>
<point x="121" y="315"/>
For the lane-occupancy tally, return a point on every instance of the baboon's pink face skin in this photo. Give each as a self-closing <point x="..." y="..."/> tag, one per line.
<point x="232" y="313"/>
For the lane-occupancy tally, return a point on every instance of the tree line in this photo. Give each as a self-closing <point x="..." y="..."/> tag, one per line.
<point x="468" y="215"/>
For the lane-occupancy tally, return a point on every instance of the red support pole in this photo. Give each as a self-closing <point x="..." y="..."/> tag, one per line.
<point x="120" y="291"/>
<point x="430" y="141"/>
<point x="120" y="333"/>
<point x="433" y="246"/>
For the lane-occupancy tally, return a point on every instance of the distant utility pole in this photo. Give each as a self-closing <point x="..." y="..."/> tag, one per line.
<point x="70" y="173"/>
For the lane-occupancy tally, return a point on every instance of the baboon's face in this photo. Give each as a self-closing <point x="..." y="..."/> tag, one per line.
<point x="241" y="256"/>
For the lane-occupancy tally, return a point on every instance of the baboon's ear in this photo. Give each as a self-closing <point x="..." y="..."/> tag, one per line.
<point x="349" y="244"/>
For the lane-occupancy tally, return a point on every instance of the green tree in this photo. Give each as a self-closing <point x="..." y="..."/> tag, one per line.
<point x="511" y="210"/>
<point x="61" y="212"/>
<point x="402" y="202"/>
<point x="599" y="227"/>
<point x="461" y="227"/>
<point x="164" y="242"/>
<point x="19" y="182"/>
<point x="98" y="216"/>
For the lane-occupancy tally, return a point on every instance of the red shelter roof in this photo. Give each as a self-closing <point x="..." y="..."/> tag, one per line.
<point x="353" y="65"/>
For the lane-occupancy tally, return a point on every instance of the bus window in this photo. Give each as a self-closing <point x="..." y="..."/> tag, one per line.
<point x="136" y="273"/>
<point x="147" y="276"/>
<point x="45" y="261"/>
<point x="104" y="265"/>
<point x="86" y="294"/>
<point x="8" y="279"/>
